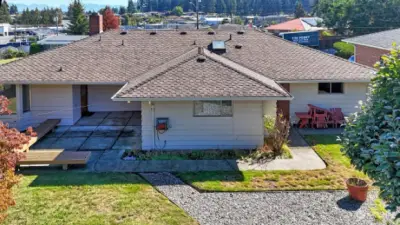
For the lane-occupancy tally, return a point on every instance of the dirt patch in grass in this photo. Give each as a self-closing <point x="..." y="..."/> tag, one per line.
<point x="87" y="198"/>
<point x="332" y="178"/>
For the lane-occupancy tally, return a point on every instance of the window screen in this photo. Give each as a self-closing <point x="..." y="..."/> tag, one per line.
<point x="213" y="108"/>
<point x="10" y="91"/>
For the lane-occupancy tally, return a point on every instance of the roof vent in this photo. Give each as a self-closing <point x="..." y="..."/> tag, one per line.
<point x="61" y="69"/>
<point x="238" y="46"/>
<point x="124" y="32"/>
<point x="183" y="33"/>
<point x="240" y="32"/>
<point x="211" y="32"/>
<point x="153" y="33"/>
<point x="201" y="59"/>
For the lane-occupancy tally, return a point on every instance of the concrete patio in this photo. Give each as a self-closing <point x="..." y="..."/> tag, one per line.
<point x="98" y="132"/>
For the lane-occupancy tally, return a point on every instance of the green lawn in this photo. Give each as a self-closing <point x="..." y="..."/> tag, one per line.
<point x="331" y="178"/>
<point x="89" y="198"/>
<point x="4" y="61"/>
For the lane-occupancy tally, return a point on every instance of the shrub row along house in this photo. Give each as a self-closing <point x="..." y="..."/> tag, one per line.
<point x="195" y="89"/>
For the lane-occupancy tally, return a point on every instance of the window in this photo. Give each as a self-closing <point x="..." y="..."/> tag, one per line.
<point x="213" y="108"/>
<point x="330" y="88"/>
<point x="26" y="98"/>
<point x="10" y="91"/>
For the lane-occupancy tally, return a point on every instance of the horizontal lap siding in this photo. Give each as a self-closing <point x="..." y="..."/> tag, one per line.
<point x="99" y="99"/>
<point x="308" y="94"/>
<point x="243" y="130"/>
<point x="50" y="102"/>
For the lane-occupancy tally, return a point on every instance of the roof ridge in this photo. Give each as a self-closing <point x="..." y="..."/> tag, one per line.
<point x="266" y="81"/>
<point x="157" y="71"/>
<point x="364" y="35"/>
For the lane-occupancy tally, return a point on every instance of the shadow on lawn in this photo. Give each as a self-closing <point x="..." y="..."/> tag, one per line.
<point x="67" y="178"/>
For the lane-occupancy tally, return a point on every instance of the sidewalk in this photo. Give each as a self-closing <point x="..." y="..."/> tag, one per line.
<point x="304" y="158"/>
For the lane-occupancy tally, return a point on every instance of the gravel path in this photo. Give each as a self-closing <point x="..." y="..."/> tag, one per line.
<point x="286" y="208"/>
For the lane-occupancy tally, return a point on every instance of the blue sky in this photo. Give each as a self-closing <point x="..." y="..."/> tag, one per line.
<point x="66" y="2"/>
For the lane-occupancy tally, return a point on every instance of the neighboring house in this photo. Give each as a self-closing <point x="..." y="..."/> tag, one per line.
<point x="59" y="40"/>
<point x="300" y="24"/>
<point x="213" y="90"/>
<point x="368" y="49"/>
<point x="4" y="29"/>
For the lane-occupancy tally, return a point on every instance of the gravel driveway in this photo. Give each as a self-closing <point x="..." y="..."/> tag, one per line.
<point x="303" y="207"/>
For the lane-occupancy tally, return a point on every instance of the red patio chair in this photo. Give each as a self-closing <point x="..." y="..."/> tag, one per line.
<point x="337" y="116"/>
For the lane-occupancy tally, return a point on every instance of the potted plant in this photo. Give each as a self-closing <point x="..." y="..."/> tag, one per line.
<point x="357" y="188"/>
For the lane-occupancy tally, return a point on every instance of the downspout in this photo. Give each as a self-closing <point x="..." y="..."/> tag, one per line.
<point x="153" y="116"/>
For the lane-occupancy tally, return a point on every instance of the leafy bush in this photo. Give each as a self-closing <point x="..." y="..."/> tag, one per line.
<point x="343" y="49"/>
<point x="372" y="137"/>
<point x="35" y="48"/>
<point x="11" y="54"/>
<point x="177" y="11"/>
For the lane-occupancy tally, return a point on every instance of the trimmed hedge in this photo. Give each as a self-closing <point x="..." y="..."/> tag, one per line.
<point x="343" y="49"/>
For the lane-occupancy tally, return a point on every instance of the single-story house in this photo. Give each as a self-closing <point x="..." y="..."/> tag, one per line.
<point x="299" y="24"/>
<point x="55" y="41"/>
<point x="369" y="48"/>
<point x="195" y="89"/>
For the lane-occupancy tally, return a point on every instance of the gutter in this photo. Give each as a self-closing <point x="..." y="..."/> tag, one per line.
<point x="114" y="98"/>
<point x="321" y="81"/>
<point x="366" y="45"/>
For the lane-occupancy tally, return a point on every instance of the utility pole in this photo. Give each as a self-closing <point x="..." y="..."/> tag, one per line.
<point x="197" y="12"/>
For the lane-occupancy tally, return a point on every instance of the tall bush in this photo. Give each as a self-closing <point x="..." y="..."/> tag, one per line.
<point x="10" y="139"/>
<point x="372" y="137"/>
<point x="343" y="49"/>
<point x="278" y="133"/>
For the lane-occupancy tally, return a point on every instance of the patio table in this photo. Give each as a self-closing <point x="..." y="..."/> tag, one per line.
<point x="304" y="118"/>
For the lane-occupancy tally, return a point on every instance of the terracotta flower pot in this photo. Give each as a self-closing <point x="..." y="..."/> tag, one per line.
<point x="358" y="189"/>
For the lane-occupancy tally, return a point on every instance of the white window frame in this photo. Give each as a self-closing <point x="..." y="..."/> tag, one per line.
<point x="330" y="88"/>
<point x="194" y="108"/>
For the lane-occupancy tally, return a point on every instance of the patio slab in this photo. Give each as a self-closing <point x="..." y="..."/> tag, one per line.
<point x="111" y="155"/>
<point x="79" y="131"/>
<point x="135" y="122"/>
<point x="116" y="115"/>
<point x="115" y="122"/>
<point x="98" y="143"/>
<point x="99" y="115"/>
<point x="127" y="143"/>
<point x="131" y="131"/>
<point x="89" y="121"/>
<point x="58" y="131"/>
<point x="69" y="143"/>
<point x="108" y="131"/>
<point x="44" y="143"/>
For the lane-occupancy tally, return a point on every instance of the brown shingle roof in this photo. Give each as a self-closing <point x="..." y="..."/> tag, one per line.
<point x="186" y="77"/>
<point x="106" y="60"/>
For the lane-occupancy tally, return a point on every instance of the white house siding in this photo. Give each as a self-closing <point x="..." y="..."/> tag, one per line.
<point x="99" y="99"/>
<point x="243" y="130"/>
<point x="307" y="93"/>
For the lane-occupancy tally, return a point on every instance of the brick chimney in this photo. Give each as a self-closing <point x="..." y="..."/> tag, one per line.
<point x="95" y="24"/>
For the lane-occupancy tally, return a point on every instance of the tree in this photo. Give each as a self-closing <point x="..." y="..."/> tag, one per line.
<point x="371" y="137"/>
<point x="178" y="11"/>
<point x="110" y="21"/>
<point x="5" y="13"/>
<point x="79" y="23"/>
<point x="115" y="10"/>
<point x="131" y="7"/>
<point x="221" y="6"/>
<point x="299" y="10"/>
<point x="10" y="139"/>
<point x="13" y="9"/>
<point x="210" y="6"/>
<point x="122" y="10"/>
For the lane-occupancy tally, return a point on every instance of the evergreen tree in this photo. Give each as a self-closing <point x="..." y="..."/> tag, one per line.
<point x="221" y="6"/>
<point x="299" y="10"/>
<point x="5" y="13"/>
<point x="131" y="7"/>
<point x="79" y="23"/>
<point x="115" y="10"/>
<point x="209" y="6"/>
<point x="13" y="9"/>
<point x="122" y="10"/>
<point x="232" y="7"/>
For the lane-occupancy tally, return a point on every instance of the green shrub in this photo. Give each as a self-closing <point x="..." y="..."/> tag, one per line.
<point x="343" y="49"/>
<point x="35" y="48"/>
<point x="372" y="137"/>
<point x="11" y="54"/>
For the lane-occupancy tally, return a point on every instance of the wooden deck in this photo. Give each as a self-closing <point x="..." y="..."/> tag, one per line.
<point x="55" y="157"/>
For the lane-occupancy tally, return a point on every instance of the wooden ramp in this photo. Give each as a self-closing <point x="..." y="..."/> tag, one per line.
<point x="41" y="131"/>
<point x="55" y="157"/>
